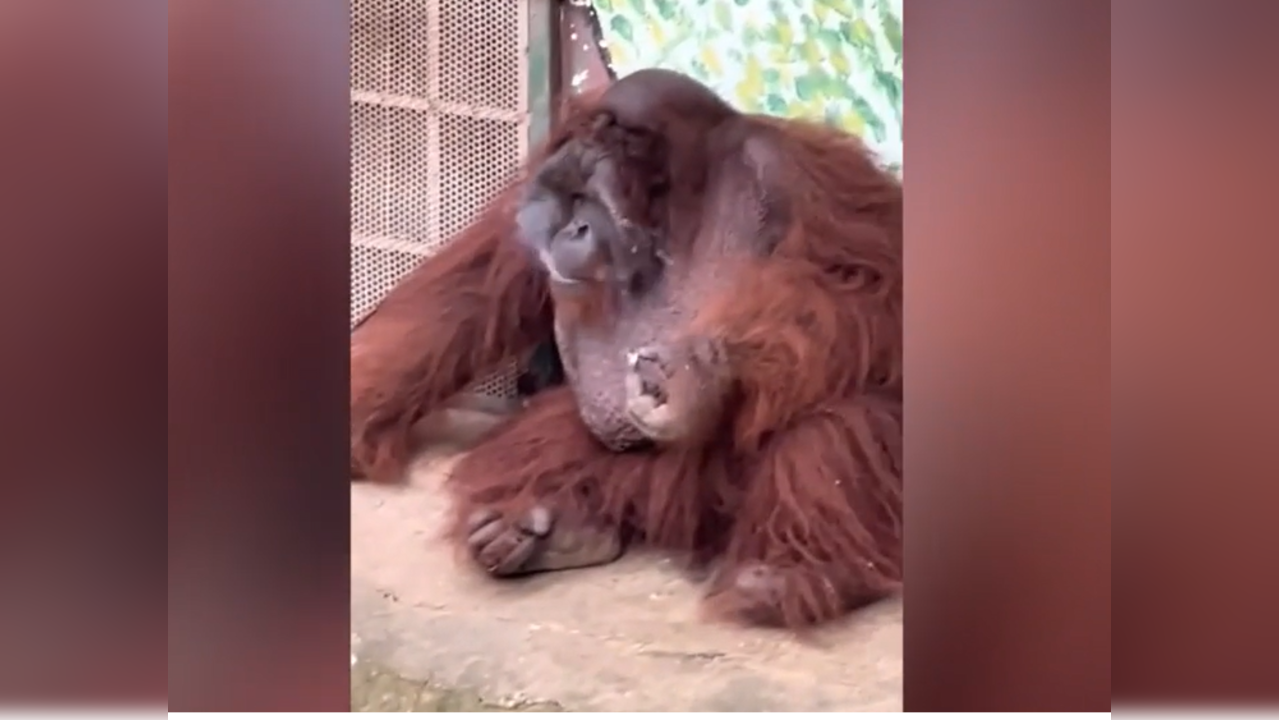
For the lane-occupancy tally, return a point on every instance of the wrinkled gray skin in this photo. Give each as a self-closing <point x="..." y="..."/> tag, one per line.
<point x="578" y="218"/>
<point x="587" y="212"/>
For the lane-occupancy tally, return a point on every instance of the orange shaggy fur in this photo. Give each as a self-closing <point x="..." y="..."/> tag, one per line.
<point x="803" y="476"/>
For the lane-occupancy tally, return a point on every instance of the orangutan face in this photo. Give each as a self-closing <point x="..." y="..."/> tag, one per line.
<point x="589" y="213"/>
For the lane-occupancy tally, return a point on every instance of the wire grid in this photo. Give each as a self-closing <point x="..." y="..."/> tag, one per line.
<point x="439" y="124"/>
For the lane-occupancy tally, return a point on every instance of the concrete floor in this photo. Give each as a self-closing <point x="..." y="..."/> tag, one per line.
<point x="428" y="634"/>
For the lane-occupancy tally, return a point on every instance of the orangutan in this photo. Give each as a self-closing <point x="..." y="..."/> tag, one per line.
<point x="725" y="294"/>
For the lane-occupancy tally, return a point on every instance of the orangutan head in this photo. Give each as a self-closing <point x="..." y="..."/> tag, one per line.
<point x="598" y="209"/>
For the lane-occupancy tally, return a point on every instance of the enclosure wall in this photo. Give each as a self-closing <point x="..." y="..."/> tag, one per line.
<point x="441" y="92"/>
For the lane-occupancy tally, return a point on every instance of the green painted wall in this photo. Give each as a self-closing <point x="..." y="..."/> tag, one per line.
<point x="838" y="60"/>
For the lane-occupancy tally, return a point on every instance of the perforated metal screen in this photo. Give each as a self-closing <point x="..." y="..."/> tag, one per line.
<point x="439" y="121"/>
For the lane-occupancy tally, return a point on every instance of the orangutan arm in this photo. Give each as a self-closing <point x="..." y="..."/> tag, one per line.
<point x="793" y="336"/>
<point x="786" y="338"/>
<point x="541" y="493"/>
<point x="819" y="528"/>
<point x="477" y="302"/>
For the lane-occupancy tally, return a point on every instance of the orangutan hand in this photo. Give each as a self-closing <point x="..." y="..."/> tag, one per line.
<point x="536" y="542"/>
<point x="675" y="392"/>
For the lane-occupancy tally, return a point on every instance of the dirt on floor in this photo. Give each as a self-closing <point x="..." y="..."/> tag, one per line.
<point x="377" y="689"/>
<point x="429" y="634"/>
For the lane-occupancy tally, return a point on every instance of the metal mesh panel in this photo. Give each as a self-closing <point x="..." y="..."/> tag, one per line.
<point x="439" y="122"/>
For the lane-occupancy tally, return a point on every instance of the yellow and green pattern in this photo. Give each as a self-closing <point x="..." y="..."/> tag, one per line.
<point x="837" y="60"/>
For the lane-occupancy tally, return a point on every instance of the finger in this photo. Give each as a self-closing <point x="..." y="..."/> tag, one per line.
<point x="480" y="518"/>
<point x="485" y="534"/>
<point x="517" y="548"/>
